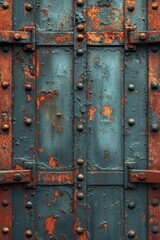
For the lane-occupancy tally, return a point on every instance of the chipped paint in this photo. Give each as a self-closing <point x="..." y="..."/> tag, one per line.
<point x="52" y="161"/>
<point x="50" y="223"/>
<point x="91" y="112"/>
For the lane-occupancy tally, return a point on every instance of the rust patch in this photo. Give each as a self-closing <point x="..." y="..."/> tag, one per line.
<point x="103" y="225"/>
<point x="91" y="112"/>
<point x="50" y="224"/>
<point x="44" y="96"/>
<point x="107" y="110"/>
<point x="92" y="14"/>
<point x="105" y="37"/>
<point x="52" y="161"/>
<point x="51" y="178"/>
<point x="45" y="11"/>
<point x="59" y="39"/>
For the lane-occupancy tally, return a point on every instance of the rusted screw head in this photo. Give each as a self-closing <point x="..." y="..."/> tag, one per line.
<point x="154" y="5"/>
<point x="80" y="161"/>
<point x="16" y="36"/>
<point x="80" y="195"/>
<point x="5" y="230"/>
<point x="154" y="85"/>
<point x="155" y="49"/>
<point x="80" y="127"/>
<point x="131" y="8"/>
<point x="28" y="7"/>
<point x="5" y="126"/>
<point x="5" y="84"/>
<point x="29" y="233"/>
<point x="131" y="234"/>
<point x="80" y="27"/>
<point x="28" y="87"/>
<point x="5" y="5"/>
<point x="5" y="48"/>
<point x="154" y="127"/>
<point x="80" y="3"/>
<point x="80" y="37"/>
<point x="29" y="46"/>
<point x="142" y="36"/>
<point x="29" y="205"/>
<point x="79" y="230"/>
<point x="155" y="202"/>
<point x="142" y="176"/>
<point x="5" y="203"/>
<point x="80" y="177"/>
<point x="17" y="177"/>
<point x="28" y="121"/>
<point x="154" y="229"/>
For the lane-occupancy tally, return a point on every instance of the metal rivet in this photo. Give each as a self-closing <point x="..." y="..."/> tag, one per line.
<point x="28" y="46"/>
<point x="5" y="126"/>
<point x="80" y="86"/>
<point x="80" y="27"/>
<point x="131" y="87"/>
<point x="17" y="177"/>
<point x="5" y="84"/>
<point x="5" y="48"/>
<point x="28" y="121"/>
<point x="29" y="233"/>
<point x="131" y="234"/>
<point x="29" y="205"/>
<point x="131" y="8"/>
<point x="154" y="6"/>
<point x="154" y="229"/>
<point x="80" y="127"/>
<point x="154" y="127"/>
<point x="131" y="121"/>
<point x="80" y="52"/>
<point x="155" y="186"/>
<point x="142" y="36"/>
<point x="80" y="195"/>
<point x="80" y="3"/>
<point x="28" y="87"/>
<point x="141" y="176"/>
<point x="80" y="37"/>
<point x="5" y="203"/>
<point x="79" y="230"/>
<point x="80" y="161"/>
<point x="80" y="177"/>
<point x="16" y="36"/>
<point x="28" y="7"/>
<point x="5" y="5"/>
<point x="155" y="202"/>
<point x="154" y="49"/>
<point x="131" y="205"/>
<point x="154" y="85"/>
<point x="5" y="230"/>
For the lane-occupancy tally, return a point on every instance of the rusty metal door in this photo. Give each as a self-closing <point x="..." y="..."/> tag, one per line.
<point x="79" y="119"/>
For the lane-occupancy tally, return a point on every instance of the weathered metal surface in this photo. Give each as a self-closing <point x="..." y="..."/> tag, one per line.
<point x="78" y="113"/>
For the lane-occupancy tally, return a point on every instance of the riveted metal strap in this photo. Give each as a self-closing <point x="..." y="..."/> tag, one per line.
<point x="14" y="176"/>
<point x="144" y="176"/>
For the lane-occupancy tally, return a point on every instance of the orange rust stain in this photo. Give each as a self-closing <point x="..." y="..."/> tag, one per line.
<point x="91" y="112"/>
<point x="93" y="37"/>
<point x="19" y="167"/>
<point x="60" y="177"/>
<point x="56" y="193"/>
<point x="153" y="15"/>
<point x="29" y="97"/>
<point x="50" y="224"/>
<point x="6" y="17"/>
<point x="40" y="149"/>
<point x="92" y="15"/>
<point x="52" y="161"/>
<point x="107" y="110"/>
<point x="44" y="96"/>
<point x="103" y="225"/>
<point x="106" y="38"/>
<point x="62" y="39"/>
<point x="45" y="11"/>
<point x="38" y="67"/>
<point x="27" y="73"/>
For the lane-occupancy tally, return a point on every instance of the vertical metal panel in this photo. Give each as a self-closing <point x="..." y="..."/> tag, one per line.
<point x="105" y="109"/>
<point x="153" y="123"/>
<point x="5" y="122"/>
<point x="135" y="134"/>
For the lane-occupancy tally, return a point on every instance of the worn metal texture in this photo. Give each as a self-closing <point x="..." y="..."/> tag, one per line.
<point x="79" y="91"/>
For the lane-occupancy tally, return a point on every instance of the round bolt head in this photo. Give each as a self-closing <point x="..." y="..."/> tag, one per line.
<point x="5" y="84"/>
<point x="16" y="36"/>
<point x="17" y="177"/>
<point x="29" y="205"/>
<point x="29" y="233"/>
<point x="5" y="203"/>
<point x="80" y="52"/>
<point x="154" y="5"/>
<point x="154" y="85"/>
<point x="28" y="87"/>
<point x="154" y="229"/>
<point x="80" y="86"/>
<point x="80" y="177"/>
<point x="80" y="3"/>
<point x="5" y="230"/>
<point x="131" y="234"/>
<point x="131" y="121"/>
<point x="154" y="127"/>
<point x="80" y="127"/>
<point x="80" y="27"/>
<point x="131" y="8"/>
<point x="142" y="36"/>
<point x="5" y="127"/>
<point x="28" y="121"/>
<point x="5" y="5"/>
<point x="79" y="230"/>
<point x="131" y="87"/>
<point x="28" y="7"/>
<point x="131" y="205"/>
<point x="142" y="176"/>
<point x="5" y="48"/>
<point x="154" y="49"/>
<point x="80" y="195"/>
<point x="80" y="161"/>
<point x="155" y="202"/>
<point x="80" y="37"/>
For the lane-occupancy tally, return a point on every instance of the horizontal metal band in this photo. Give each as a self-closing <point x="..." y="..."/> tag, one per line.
<point x="97" y="178"/>
<point x="49" y="38"/>
<point x="15" y="37"/>
<point x="15" y="176"/>
<point x="144" y="176"/>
